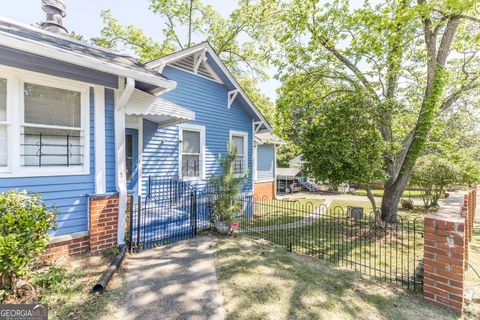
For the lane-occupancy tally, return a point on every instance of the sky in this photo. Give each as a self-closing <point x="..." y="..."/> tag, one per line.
<point x="83" y="17"/>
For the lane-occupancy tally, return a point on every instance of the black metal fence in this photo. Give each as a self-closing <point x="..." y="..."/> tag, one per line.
<point x="346" y="238"/>
<point x="173" y="210"/>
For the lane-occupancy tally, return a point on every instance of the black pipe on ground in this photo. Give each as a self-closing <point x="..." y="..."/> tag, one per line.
<point x="102" y="283"/>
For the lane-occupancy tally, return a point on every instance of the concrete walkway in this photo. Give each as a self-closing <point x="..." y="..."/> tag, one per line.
<point x="177" y="281"/>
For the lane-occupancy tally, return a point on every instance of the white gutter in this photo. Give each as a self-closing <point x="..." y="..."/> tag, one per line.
<point x="49" y="51"/>
<point x="121" y="168"/>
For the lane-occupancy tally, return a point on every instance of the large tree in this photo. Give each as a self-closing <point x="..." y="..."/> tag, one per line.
<point x="236" y="38"/>
<point x="415" y="59"/>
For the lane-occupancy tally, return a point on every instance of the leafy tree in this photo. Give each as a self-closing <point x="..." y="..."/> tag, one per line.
<point x="434" y="174"/>
<point x="414" y="59"/>
<point x="339" y="138"/>
<point x="236" y="39"/>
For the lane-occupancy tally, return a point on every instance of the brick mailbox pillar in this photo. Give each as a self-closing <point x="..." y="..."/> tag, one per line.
<point x="444" y="256"/>
<point x="103" y="222"/>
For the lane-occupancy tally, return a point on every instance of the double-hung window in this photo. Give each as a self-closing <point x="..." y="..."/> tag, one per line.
<point x="3" y="126"/>
<point x="44" y="125"/>
<point x="240" y="141"/>
<point x="192" y="140"/>
<point x="52" y="127"/>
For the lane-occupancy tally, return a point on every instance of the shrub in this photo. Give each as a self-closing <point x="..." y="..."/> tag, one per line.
<point x="406" y="204"/>
<point x="24" y="222"/>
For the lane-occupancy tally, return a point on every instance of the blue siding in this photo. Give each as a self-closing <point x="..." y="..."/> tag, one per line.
<point x="28" y="61"/>
<point x="67" y="193"/>
<point x="208" y="100"/>
<point x="265" y="161"/>
<point x="110" y="140"/>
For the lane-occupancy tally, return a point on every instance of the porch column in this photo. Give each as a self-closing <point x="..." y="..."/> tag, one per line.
<point x="100" y="171"/>
<point x="120" y="102"/>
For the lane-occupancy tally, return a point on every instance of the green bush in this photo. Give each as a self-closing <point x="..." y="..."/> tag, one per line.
<point x="24" y="222"/>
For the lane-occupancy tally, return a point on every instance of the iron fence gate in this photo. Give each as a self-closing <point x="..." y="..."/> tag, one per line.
<point x="171" y="210"/>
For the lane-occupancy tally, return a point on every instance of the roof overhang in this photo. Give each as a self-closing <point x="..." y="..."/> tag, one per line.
<point x="46" y="50"/>
<point x="160" y="63"/>
<point x="268" y="138"/>
<point x="158" y="110"/>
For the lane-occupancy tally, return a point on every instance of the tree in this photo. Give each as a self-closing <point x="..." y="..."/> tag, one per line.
<point x="414" y="59"/>
<point x="434" y="174"/>
<point x="186" y="22"/>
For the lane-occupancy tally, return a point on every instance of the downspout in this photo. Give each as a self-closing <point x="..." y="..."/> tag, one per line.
<point x="121" y="169"/>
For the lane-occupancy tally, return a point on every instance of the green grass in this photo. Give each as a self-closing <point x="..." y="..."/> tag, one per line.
<point x="379" y="193"/>
<point x="277" y="212"/>
<point x="261" y="281"/>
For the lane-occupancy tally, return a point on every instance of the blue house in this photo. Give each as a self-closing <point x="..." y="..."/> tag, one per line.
<point x="84" y="126"/>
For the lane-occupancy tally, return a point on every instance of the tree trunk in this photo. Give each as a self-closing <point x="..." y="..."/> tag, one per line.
<point x="391" y="196"/>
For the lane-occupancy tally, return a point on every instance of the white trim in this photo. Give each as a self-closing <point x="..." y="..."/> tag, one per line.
<point x="198" y="59"/>
<point x="263" y="181"/>
<point x="15" y="114"/>
<point x="140" y="156"/>
<point x="231" y="97"/>
<point x="244" y="135"/>
<point x="197" y="74"/>
<point x="100" y="166"/>
<point x="121" y="100"/>
<point x="68" y="237"/>
<point x="197" y="128"/>
<point x="57" y="53"/>
<point x="9" y="122"/>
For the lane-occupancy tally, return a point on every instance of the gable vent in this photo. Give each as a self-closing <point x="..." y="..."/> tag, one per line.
<point x="55" y="10"/>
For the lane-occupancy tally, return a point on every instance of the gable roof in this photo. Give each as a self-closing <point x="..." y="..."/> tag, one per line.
<point x="217" y="67"/>
<point x="40" y="42"/>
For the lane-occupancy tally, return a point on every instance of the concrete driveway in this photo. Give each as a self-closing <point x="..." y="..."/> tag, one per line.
<point x="176" y="281"/>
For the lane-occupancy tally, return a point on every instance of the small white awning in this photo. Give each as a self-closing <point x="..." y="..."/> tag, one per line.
<point x="156" y="109"/>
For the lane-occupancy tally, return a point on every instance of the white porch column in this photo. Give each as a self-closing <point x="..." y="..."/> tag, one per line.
<point x="140" y="156"/>
<point x="99" y="113"/>
<point x="121" y="100"/>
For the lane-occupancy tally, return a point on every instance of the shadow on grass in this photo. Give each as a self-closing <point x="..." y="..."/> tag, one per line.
<point x="263" y="281"/>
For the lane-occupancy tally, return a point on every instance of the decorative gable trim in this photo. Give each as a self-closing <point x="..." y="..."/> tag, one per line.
<point x="231" y="97"/>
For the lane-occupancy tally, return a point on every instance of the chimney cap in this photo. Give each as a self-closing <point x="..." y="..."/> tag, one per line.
<point x="56" y="4"/>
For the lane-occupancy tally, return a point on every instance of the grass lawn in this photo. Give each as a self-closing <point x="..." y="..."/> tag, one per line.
<point x="276" y="212"/>
<point x="67" y="292"/>
<point x="261" y="281"/>
<point x="379" y="193"/>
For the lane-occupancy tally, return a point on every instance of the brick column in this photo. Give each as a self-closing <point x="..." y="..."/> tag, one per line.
<point x="444" y="255"/>
<point x="103" y="222"/>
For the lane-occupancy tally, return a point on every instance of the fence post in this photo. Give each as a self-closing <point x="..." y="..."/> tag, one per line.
<point x="444" y="254"/>
<point x="130" y="245"/>
<point x="139" y="210"/>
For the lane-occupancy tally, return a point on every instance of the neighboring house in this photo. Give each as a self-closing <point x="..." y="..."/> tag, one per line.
<point x="83" y="126"/>
<point x="265" y="165"/>
<point x="288" y="180"/>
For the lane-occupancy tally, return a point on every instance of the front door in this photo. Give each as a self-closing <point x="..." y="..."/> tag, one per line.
<point x="131" y="159"/>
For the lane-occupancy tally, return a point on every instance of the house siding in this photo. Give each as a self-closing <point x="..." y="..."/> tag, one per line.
<point x="208" y="99"/>
<point x="265" y="162"/>
<point x="69" y="193"/>
<point x="32" y="62"/>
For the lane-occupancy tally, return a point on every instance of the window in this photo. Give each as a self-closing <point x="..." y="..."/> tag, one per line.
<point x="240" y="141"/>
<point x="44" y="125"/>
<point x="192" y="140"/>
<point x="52" y="130"/>
<point x="3" y="124"/>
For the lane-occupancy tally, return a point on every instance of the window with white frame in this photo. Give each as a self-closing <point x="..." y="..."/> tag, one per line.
<point x="240" y="141"/>
<point x="44" y="122"/>
<point x="3" y="124"/>
<point x="52" y="127"/>
<point x="191" y="155"/>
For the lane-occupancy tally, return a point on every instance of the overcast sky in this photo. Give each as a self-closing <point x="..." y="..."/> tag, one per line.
<point x="83" y="17"/>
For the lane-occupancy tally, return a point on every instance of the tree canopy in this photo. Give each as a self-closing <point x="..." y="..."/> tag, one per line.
<point x="415" y="60"/>
<point x="236" y="39"/>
